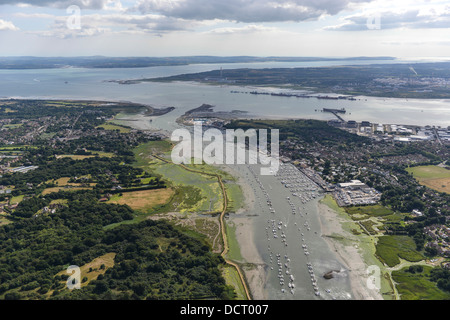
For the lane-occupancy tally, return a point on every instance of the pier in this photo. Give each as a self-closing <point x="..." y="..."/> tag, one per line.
<point x="336" y="112"/>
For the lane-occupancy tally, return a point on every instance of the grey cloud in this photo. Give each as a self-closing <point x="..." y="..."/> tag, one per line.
<point x="62" y="4"/>
<point x="244" y="10"/>
<point x="411" y="19"/>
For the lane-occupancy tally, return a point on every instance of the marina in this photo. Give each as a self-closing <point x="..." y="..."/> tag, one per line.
<point x="291" y="246"/>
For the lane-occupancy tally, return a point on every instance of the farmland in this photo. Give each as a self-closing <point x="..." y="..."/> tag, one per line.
<point x="434" y="177"/>
<point x="143" y="200"/>
<point x="390" y="249"/>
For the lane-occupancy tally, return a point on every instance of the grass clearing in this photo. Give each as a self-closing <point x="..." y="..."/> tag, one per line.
<point x="372" y="211"/>
<point x="113" y="127"/>
<point x="16" y="148"/>
<point x="417" y="286"/>
<point x="57" y="189"/>
<point x="64" y="182"/>
<point x="235" y="196"/>
<point x="210" y="199"/>
<point x="59" y="201"/>
<point x="4" y="221"/>
<point x="12" y="126"/>
<point x="433" y="177"/>
<point x="17" y="199"/>
<point x="391" y="248"/>
<point x="143" y="200"/>
<point x="74" y="156"/>
<point x="232" y="279"/>
<point x="93" y="269"/>
<point x="234" y="252"/>
<point x="151" y="147"/>
<point x="94" y="154"/>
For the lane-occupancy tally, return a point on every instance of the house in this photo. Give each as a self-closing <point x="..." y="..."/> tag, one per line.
<point x="417" y="213"/>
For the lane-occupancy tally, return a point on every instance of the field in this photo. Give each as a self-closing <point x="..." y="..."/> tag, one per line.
<point x="153" y="147"/>
<point x="16" y="200"/>
<point x="93" y="269"/>
<point x="64" y="185"/>
<point x="12" y="126"/>
<point x="143" y="200"/>
<point x="73" y="156"/>
<point x="390" y="249"/>
<point x="417" y="286"/>
<point x="200" y="193"/>
<point x="111" y="126"/>
<point x="434" y="177"/>
<point x="197" y="192"/>
<point x="372" y="211"/>
<point x="210" y="191"/>
<point x="57" y="189"/>
<point x="234" y="252"/>
<point x="3" y="220"/>
<point x="16" y="148"/>
<point x="82" y="157"/>
<point x="232" y="278"/>
<point x="65" y="182"/>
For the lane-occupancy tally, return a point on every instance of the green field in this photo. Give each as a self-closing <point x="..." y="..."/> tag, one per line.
<point x="234" y="252"/>
<point x="434" y="177"/>
<point x="417" y="286"/>
<point x="17" y="199"/>
<point x="12" y="126"/>
<point x="390" y="249"/>
<point x="232" y="278"/>
<point x="211" y="193"/>
<point x="429" y="172"/>
<point x="202" y="192"/>
<point x="111" y="126"/>
<point x="372" y="211"/>
<point x="9" y="148"/>
<point x="144" y="200"/>
<point x="144" y="151"/>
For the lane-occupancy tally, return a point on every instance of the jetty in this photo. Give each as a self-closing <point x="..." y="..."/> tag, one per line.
<point x="336" y="112"/>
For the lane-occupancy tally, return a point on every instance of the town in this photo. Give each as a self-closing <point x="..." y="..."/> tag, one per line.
<point x="360" y="169"/>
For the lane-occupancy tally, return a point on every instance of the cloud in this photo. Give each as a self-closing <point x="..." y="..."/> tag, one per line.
<point x="409" y="19"/>
<point x="97" y="24"/>
<point x="243" y="30"/>
<point x="7" y="25"/>
<point x="63" y="4"/>
<point x="59" y="29"/>
<point x="249" y="11"/>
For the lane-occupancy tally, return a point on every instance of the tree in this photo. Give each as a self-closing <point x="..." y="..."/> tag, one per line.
<point x="100" y="287"/>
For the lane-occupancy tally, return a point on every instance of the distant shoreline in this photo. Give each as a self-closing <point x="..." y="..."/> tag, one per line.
<point x="102" y="62"/>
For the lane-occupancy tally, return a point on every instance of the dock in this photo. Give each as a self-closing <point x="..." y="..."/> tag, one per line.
<point x="336" y="112"/>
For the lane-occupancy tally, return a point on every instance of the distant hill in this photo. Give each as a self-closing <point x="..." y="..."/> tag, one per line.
<point x="141" y="62"/>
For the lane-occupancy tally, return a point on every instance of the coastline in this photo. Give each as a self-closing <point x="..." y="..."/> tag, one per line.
<point x="253" y="265"/>
<point x="347" y="249"/>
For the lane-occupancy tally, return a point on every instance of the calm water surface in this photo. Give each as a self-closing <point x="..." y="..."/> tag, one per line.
<point x="79" y="83"/>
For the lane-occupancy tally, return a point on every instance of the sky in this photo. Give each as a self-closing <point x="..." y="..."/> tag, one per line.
<point x="304" y="28"/>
